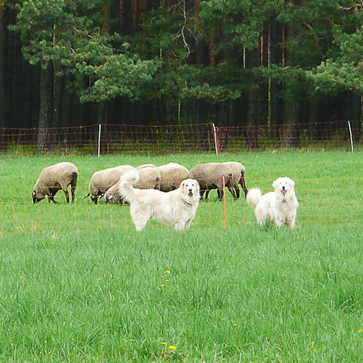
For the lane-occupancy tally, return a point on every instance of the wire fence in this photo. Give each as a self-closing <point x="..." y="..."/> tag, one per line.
<point x="322" y="201"/>
<point x="158" y="140"/>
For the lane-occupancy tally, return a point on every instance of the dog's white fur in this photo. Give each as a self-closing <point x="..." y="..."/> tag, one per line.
<point x="177" y="208"/>
<point x="279" y="206"/>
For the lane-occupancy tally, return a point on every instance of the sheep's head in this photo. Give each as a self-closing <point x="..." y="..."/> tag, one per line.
<point x="37" y="197"/>
<point x="108" y="198"/>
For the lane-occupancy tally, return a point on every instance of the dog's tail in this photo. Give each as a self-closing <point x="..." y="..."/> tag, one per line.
<point x="253" y="197"/>
<point x="126" y="189"/>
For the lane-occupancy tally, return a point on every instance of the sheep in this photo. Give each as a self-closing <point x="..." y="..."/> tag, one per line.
<point x="210" y="176"/>
<point x="239" y="177"/>
<point x="172" y="175"/>
<point x="149" y="178"/>
<point x="102" y="180"/>
<point x="146" y="166"/>
<point x="54" y="178"/>
<point x="239" y="172"/>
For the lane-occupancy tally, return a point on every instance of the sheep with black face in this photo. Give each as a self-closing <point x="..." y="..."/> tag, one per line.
<point x="54" y="178"/>
<point x="103" y="180"/>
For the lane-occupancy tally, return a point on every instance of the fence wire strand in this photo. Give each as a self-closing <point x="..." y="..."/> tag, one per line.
<point x="335" y="203"/>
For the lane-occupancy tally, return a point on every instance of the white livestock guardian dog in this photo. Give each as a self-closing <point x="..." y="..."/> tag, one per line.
<point x="177" y="208"/>
<point x="279" y="206"/>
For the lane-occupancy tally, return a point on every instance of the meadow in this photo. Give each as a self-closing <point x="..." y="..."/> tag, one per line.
<point x="79" y="284"/>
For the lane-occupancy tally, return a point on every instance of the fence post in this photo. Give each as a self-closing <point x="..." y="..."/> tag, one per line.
<point x="215" y="138"/>
<point x="225" y="202"/>
<point x="99" y="140"/>
<point x="351" y="136"/>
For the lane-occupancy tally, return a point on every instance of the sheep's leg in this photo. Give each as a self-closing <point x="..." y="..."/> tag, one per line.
<point x="232" y="192"/>
<point x="64" y="187"/>
<point x="94" y="199"/>
<point x="206" y="194"/>
<point x="243" y="185"/>
<point x="51" y="198"/>
<point x="66" y="192"/>
<point x="220" y="194"/>
<point x="201" y="193"/>
<point x="73" y="190"/>
<point x="238" y="192"/>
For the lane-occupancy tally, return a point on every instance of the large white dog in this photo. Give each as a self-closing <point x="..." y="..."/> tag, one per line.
<point x="279" y="206"/>
<point x="177" y="208"/>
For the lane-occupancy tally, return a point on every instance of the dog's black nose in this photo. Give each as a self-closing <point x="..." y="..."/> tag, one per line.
<point x="283" y="187"/>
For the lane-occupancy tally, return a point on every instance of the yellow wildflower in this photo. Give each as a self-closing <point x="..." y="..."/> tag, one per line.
<point x="172" y="347"/>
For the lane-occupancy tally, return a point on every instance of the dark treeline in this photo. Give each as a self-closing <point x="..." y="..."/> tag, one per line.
<point x="82" y="62"/>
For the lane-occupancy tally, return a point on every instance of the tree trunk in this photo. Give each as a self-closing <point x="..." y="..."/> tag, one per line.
<point x="292" y="104"/>
<point x="2" y="78"/>
<point x="46" y="106"/>
<point x="291" y="116"/>
<point x="57" y="100"/>
<point x="254" y="95"/>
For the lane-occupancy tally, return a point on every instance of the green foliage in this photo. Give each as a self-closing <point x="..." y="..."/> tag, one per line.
<point x="241" y="20"/>
<point x="70" y="35"/>
<point x="346" y="70"/>
<point x="167" y="55"/>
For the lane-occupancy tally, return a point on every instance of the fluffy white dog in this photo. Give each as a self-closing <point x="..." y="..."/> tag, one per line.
<point x="279" y="206"/>
<point x="177" y="208"/>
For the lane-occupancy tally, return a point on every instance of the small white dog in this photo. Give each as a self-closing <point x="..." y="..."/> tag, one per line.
<point x="279" y="206"/>
<point x="177" y="208"/>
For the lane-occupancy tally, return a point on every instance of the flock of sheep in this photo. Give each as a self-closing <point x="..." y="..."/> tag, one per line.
<point x="166" y="178"/>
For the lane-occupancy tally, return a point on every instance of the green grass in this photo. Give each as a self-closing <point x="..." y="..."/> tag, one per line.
<point x="79" y="284"/>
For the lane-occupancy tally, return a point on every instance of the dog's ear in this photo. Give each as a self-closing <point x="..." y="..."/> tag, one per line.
<point x="197" y="187"/>
<point x="275" y="183"/>
<point x="291" y="182"/>
<point x="182" y="187"/>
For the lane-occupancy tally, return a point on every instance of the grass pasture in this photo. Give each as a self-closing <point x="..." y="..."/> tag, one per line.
<point x="78" y="284"/>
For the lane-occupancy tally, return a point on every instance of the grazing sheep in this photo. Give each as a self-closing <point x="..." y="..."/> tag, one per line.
<point x="102" y="180"/>
<point x="239" y="177"/>
<point x="210" y="176"/>
<point x="172" y="175"/>
<point x="149" y="178"/>
<point x="54" y="178"/>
